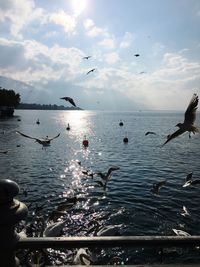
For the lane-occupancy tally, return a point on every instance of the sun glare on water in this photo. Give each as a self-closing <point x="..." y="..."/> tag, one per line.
<point x="78" y="6"/>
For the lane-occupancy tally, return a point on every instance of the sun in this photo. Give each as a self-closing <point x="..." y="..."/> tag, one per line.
<point x="78" y="6"/>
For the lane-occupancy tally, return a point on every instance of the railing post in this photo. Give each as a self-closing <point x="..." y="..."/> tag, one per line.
<point x="11" y="212"/>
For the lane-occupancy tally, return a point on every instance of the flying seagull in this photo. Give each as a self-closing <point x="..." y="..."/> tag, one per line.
<point x="90" y="71"/>
<point x="185" y="212"/>
<point x="147" y="133"/>
<point x="187" y="125"/>
<point x="157" y="186"/>
<point x="87" y="57"/>
<point x="45" y="142"/>
<point x="105" y="176"/>
<point x="190" y="181"/>
<point x="69" y="99"/>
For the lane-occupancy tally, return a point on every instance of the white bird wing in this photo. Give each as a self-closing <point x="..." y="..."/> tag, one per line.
<point x="54" y="229"/>
<point x="180" y="232"/>
<point x="190" y="113"/>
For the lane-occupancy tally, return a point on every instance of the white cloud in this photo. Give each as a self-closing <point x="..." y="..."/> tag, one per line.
<point x="66" y="21"/>
<point x="34" y="61"/>
<point x="112" y="58"/>
<point x="127" y="40"/>
<point x="18" y="14"/>
<point x="108" y="43"/>
<point x="169" y="87"/>
<point x="92" y="30"/>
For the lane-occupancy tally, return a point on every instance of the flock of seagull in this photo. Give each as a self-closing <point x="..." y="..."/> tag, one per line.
<point x="55" y="228"/>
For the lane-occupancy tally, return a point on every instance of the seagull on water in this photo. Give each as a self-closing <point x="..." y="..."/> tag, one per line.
<point x="180" y="232"/>
<point x="54" y="229"/>
<point x="44" y="142"/>
<point x="90" y="71"/>
<point x="106" y="230"/>
<point x="69" y="99"/>
<point x="187" y="125"/>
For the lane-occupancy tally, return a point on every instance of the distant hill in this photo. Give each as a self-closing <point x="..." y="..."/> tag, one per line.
<point x="30" y="96"/>
<point x="45" y="107"/>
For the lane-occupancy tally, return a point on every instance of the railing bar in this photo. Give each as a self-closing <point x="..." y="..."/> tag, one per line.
<point x="130" y="241"/>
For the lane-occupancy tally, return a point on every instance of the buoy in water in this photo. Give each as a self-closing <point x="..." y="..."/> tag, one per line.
<point x="125" y="140"/>
<point x="68" y="127"/>
<point x="85" y="142"/>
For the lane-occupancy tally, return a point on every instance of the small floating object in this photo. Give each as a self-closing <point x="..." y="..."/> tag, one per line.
<point x="121" y="123"/>
<point x="125" y="140"/>
<point x="38" y="122"/>
<point x="68" y="127"/>
<point x="18" y="119"/>
<point x="85" y="142"/>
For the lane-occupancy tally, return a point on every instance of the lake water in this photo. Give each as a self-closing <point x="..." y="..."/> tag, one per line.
<point x="50" y="175"/>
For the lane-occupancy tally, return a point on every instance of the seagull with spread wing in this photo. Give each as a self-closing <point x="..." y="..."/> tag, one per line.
<point x="187" y="125"/>
<point x="105" y="177"/>
<point x="69" y="99"/>
<point x="90" y="71"/>
<point x="87" y="57"/>
<point x="156" y="187"/>
<point x="45" y="142"/>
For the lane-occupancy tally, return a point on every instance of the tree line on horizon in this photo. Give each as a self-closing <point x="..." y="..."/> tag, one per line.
<point x="9" y="98"/>
<point x="44" y="107"/>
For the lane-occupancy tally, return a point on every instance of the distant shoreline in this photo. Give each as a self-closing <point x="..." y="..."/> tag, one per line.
<point x="44" y="107"/>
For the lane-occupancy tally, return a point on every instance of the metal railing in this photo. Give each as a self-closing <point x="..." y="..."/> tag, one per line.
<point x="12" y="211"/>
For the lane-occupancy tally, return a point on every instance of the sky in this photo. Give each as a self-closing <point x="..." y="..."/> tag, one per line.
<point x="43" y="44"/>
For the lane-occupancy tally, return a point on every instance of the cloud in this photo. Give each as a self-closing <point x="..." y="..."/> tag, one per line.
<point x="112" y="58"/>
<point x="92" y="30"/>
<point x="127" y="40"/>
<point x="108" y="43"/>
<point x="170" y="86"/>
<point x="18" y="14"/>
<point x="65" y="20"/>
<point x="31" y="61"/>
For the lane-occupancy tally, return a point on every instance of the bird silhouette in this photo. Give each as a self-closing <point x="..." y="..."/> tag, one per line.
<point x="69" y="99"/>
<point x="187" y="125"/>
<point x="44" y="142"/>
<point x="190" y="181"/>
<point x="157" y="186"/>
<point x="90" y="71"/>
<point x="106" y="176"/>
<point x="147" y="133"/>
<point x="87" y="57"/>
